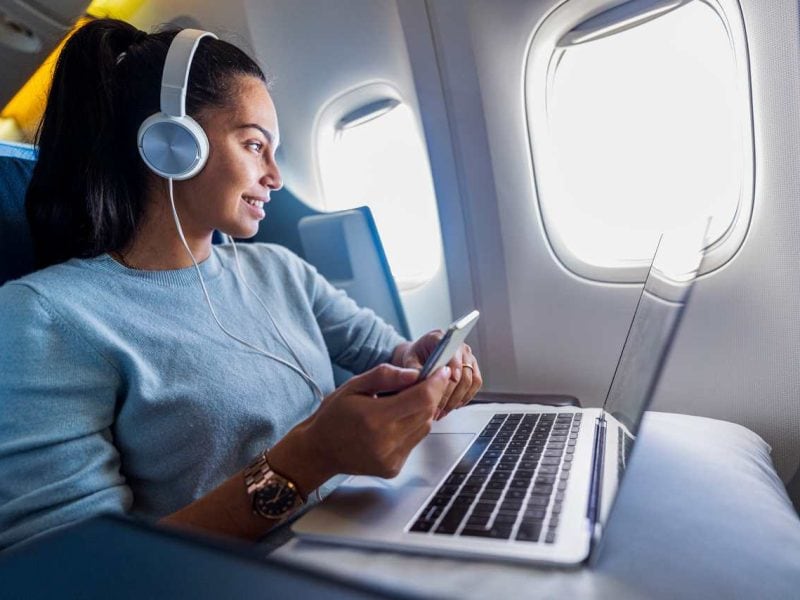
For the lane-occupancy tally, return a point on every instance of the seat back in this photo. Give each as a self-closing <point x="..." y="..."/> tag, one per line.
<point x="346" y="249"/>
<point x="16" y="247"/>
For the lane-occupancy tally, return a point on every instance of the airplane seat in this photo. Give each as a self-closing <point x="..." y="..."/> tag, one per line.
<point x="346" y="249"/>
<point x="16" y="247"/>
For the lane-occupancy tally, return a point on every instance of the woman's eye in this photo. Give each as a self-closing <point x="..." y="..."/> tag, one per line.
<point x="255" y="146"/>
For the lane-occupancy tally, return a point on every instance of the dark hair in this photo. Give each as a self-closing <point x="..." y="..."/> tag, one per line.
<point x="87" y="192"/>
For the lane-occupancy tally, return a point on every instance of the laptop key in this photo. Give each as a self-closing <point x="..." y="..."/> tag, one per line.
<point x="471" y="457"/>
<point x="483" y="509"/>
<point x="502" y="531"/>
<point x="534" y="514"/>
<point x="538" y="501"/>
<point x="431" y="513"/>
<point x="534" y="519"/>
<point x="504" y="517"/>
<point x="475" y="531"/>
<point x="463" y="500"/>
<point x="477" y="520"/>
<point x="529" y="532"/>
<point x="422" y="526"/>
<point x="447" y="528"/>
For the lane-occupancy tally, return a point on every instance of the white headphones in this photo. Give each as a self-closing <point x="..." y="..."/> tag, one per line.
<point x="171" y="143"/>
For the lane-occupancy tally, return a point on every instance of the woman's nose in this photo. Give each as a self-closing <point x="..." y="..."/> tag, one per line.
<point x="272" y="176"/>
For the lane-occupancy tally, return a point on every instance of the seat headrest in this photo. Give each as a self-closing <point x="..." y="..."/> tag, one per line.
<point x="16" y="248"/>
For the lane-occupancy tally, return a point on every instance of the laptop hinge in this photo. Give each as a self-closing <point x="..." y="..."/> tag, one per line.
<point x="596" y="485"/>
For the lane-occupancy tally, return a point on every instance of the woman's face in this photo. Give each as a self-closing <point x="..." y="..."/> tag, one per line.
<point x="230" y="192"/>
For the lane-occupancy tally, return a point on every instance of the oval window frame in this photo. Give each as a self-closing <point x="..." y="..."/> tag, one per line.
<point x="542" y="56"/>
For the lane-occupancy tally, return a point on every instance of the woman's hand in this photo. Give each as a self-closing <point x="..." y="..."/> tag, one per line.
<point x="465" y="374"/>
<point x="357" y="433"/>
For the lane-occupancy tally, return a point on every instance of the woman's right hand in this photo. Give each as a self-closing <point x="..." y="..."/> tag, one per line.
<point x="352" y="432"/>
<point x="357" y="433"/>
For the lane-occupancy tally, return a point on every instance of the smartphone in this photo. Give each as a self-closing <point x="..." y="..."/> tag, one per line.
<point x="447" y="346"/>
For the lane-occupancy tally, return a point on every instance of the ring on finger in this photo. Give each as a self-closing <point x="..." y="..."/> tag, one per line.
<point x="466" y="366"/>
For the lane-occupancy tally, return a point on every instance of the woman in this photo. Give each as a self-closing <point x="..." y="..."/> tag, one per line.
<point x="118" y="390"/>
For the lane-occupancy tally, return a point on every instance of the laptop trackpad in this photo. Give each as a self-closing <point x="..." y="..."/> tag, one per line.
<point x="426" y="465"/>
<point x="371" y="507"/>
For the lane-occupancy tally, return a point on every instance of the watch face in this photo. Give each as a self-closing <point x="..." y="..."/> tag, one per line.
<point x="274" y="500"/>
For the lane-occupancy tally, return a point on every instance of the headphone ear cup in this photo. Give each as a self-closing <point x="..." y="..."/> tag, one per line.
<point x="173" y="147"/>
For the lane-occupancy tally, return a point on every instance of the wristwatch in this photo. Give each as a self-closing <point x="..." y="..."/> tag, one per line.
<point x="274" y="496"/>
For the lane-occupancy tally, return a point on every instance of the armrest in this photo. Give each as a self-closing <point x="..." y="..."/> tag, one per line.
<point x="549" y="399"/>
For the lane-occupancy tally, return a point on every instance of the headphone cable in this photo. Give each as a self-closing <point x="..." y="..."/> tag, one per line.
<point x="299" y="371"/>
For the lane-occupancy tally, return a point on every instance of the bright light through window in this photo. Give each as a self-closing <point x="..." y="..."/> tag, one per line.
<point x="382" y="163"/>
<point x="644" y="133"/>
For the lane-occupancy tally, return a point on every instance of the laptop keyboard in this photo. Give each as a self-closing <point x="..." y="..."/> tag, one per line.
<point x="510" y="483"/>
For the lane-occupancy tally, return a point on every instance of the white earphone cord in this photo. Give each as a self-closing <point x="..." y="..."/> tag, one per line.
<point x="300" y="371"/>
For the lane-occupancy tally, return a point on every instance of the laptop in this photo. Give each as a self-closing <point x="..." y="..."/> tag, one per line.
<point x="534" y="484"/>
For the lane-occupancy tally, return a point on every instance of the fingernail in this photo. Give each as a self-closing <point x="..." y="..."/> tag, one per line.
<point x="446" y="372"/>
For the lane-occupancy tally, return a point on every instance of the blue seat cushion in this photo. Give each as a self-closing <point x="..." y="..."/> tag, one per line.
<point x="16" y="248"/>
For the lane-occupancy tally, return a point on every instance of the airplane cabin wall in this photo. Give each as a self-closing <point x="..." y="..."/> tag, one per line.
<point x="737" y="352"/>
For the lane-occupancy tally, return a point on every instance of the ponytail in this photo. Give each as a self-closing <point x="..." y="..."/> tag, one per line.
<point x="88" y="189"/>
<point x="68" y="200"/>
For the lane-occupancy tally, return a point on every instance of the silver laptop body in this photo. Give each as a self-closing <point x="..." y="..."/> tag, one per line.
<point x="562" y="504"/>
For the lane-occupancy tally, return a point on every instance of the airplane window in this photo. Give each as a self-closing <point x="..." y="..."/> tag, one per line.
<point x="639" y="123"/>
<point x="375" y="156"/>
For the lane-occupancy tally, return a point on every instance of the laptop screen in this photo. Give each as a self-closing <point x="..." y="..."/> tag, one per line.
<point x="664" y="295"/>
<point x="665" y="292"/>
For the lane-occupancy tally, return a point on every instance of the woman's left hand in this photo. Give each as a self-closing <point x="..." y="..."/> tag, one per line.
<point x="465" y="374"/>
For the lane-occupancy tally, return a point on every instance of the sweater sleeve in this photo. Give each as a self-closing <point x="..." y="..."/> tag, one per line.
<point x="58" y="463"/>
<point x="357" y="338"/>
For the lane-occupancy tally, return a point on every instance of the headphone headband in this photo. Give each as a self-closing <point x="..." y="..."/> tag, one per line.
<point x="175" y="78"/>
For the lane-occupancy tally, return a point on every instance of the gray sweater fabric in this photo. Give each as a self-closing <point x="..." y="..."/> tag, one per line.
<point x="119" y="393"/>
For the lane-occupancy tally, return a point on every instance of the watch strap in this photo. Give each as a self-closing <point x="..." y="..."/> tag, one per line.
<point x="259" y="472"/>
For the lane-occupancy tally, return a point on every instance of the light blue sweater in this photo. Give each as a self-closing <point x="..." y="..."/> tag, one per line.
<point x="119" y="393"/>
